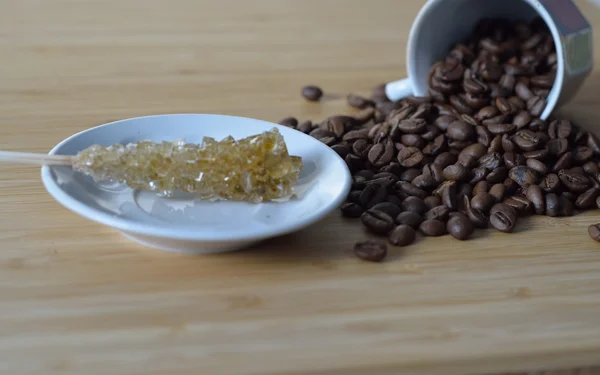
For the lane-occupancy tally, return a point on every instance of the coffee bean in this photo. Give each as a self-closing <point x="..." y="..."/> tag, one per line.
<point x="512" y="160"/>
<point x="523" y="91"/>
<point x="434" y="171"/>
<point x="291" y="122"/>
<point x="455" y="172"/>
<point x="409" y="218"/>
<point x="520" y="204"/>
<point x="372" y="251"/>
<point x="415" y="204"/>
<point x="409" y="157"/>
<point x="498" y="191"/>
<point x="481" y="187"/>
<point x="372" y="195"/>
<point x="552" y="205"/>
<point x="594" y="232"/>
<point x="443" y="122"/>
<point x="591" y="168"/>
<point x="523" y="175"/>
<point x="500" y="129"/>
<point x="354" y="162"/>
<point x="437" y="213"/>
<point x="312" y="93"/>
<point x="381" y="154"/>
<point x="483" y="201"/>
<point x="497" y="175"/>
<point x="564" y="162"/>
<point x="411" y="126"/>
<point x="587" y="199"/>
<point x="377" y="222"/>
<point x="432" y="201"/>
<point x="567" y="208"/>
<point x="358" y="101"/>
<point x="522" y="119"/>
<point x="550" y="183"/>
<point x="351" y="210"/>
<point x="537" y="166"/>
<point x="560" y="129"/>
<point x="536" y="105"/>
<point x="575" y="182"/>
<point x="582" y="154"/>
<point x="355" y="135"/>
<point x="410" y="189"/>
<point x="402" y="235"/>
<point x="460" y="227"/>
<point x="557" y="146"/>
<point x="432" y="228"/>
<point x="450" y="197"/>
<point x="460" y="130"/>
<point x="389" y="208"/>
<point x="475" y="215"/>
<point x="535" y="196"/>
<point x="503" y="217"/>
<point x="409" y="174"/>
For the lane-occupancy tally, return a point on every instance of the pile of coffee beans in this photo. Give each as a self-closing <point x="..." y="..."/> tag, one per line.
<point x="473" y="153"/>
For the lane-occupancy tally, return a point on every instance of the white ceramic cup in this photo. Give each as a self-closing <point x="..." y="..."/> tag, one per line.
<point x="442" y="23"/>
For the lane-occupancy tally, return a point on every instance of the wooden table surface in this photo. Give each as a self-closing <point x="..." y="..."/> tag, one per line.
<point x="77" y="298"/>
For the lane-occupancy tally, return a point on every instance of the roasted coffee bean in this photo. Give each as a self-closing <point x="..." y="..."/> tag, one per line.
<point x="564" y="162"/>
<point x="497" y="175"/>
<point x="560" y="129"/>
<point x="496" y="144"/>
<point x="435" y="171"/>
<point x="537" y="154"/>
<point x="591" y="168"/>
<point x="410" y="189"/>
<point x="522" y="119"/>
<point x="553" y="208"/>
<point x="437" y="213"/>
<point x="575" y="182"/>
<point x="502" y="128"/>
<point x="523" y="91"/>
<point x="498" y="191"/>
<point x="341" y="149"/>
<point x="381" y="154"/>
<point x="483" y="201"/>
<point x="545" y="81"/>
<point x="476" y="150"/>
<point x="358" y="182"/>
<point x="365" y="115"/>
<point x="520" y="204"/>
<point x="355" y="135"/>
<point x="432" y="201"/>
<point x="455" y="172"/>
<point x="512" y="160"/>
<point x="366" y="174"/>
<point x="460" y="227"/>
<point x="292" y="122"/>
<point x="409" y="218"/>
<point x="587" y="199"/>
<point x="503" y="218"/>
<point x="460" y="130"/>
<point x="409" y="157"/>
<point x="527" y="140"/>
<point x="351" y="210"/>
<point x="537" y="166"/>
<point x="305" y="126"/>
<point x="557" y="146"/>
<point x="536" y="105"/>
<point x="377" y="222"/>
<point x="312" y="93"/>
<point x="402" y="235"/>
<point x="432" y="228"/>
<point x="481" y="187"/>
<point x="372" y="251"/>
<point x="424" y="182"/>
<point x="443" y="122"/>
<point x="385" y="179"/>
<point x="477" y="175"/>
<point x="550" y="183"/>
<point x="535" y="196"/>
<point x="594" y="232"/>
<point x="486" y="113"/>
<point x="511" y="187"/>
<point x="582" y="154"/>
<point x="538" y="125"/>
<point x="354" y="162"/>
<point x="413" y="140"/>
<point x="507" y="144"/>
<point x="484" y="136"/>
<point x="415" y="204"/>
<point x="567" y="208"/>
<point x="412" y="126"/>
<point x="372" y="195"/>
<point x="523" y="175"/>
<point x="475" y="215"/>
<point x="319" y="133"/>
<point x="389" y="208"/>
<point x="490" y="161"/>
<point x="450" y="197"/>
<point x="409" y="175"/>
<point x="358" y="101"/>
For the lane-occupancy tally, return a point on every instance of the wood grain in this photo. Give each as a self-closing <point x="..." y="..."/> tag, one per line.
<point x="77" y="298"/>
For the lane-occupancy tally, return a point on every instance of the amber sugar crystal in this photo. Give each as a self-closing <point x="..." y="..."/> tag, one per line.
<point x="257" y="168"/>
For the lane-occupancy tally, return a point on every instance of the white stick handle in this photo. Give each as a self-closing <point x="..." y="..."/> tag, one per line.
<point x="32" y="158"/>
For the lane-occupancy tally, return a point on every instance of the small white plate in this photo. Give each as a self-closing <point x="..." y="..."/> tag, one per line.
<point x="183" y="223"/>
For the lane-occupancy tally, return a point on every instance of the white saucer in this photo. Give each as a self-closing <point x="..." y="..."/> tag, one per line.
<point x="183" y="223"/>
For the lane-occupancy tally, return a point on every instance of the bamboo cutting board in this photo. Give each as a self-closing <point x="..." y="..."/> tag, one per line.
<point x="76" y="298"/>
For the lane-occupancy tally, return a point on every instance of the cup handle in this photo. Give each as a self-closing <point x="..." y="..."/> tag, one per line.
<point x="398" y="89"/>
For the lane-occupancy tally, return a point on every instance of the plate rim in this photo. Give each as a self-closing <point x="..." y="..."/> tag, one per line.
<point x="189" y="234"/>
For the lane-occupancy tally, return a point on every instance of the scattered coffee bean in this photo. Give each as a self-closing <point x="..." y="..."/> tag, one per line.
<point x="409" y="218"/>
<point x="460" y="227"/>
<point x="432" y="228"/>
<point x="358" y="101"/>
<point x="372" y="251"/>
<point x="503" y="217"/>
<point x="312" y="93"/>
<point x="594" y="232"/>
<point x="402" y="235"/>
<point x="351" y="210"/>
<point x="377" y="222"/>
